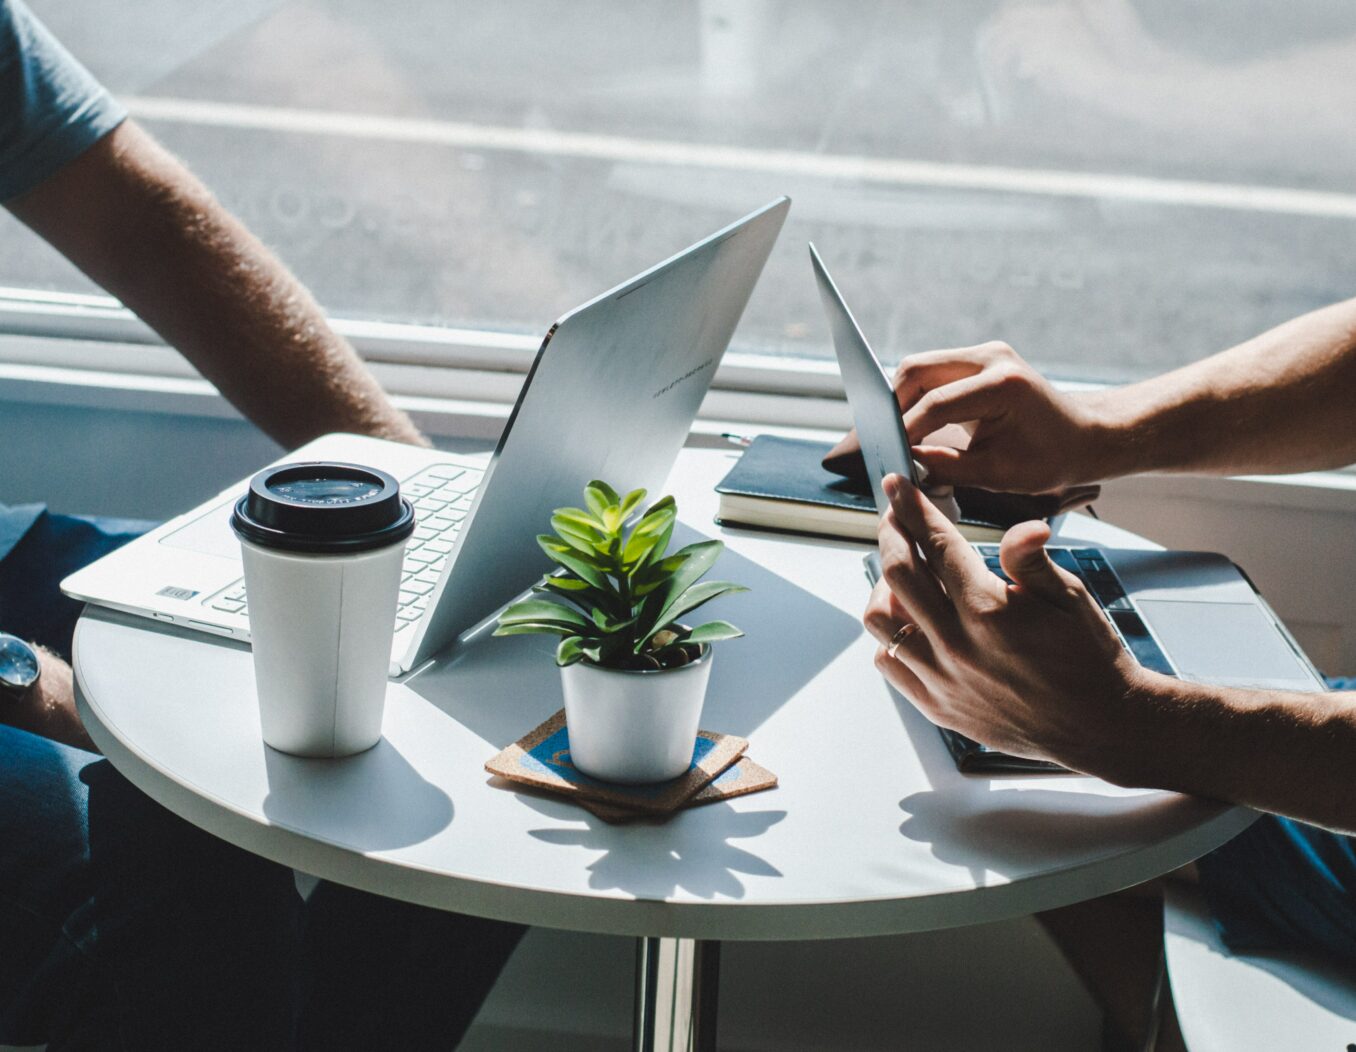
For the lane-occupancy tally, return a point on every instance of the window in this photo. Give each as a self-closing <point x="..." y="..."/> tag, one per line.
<point x="1114" y="188"/>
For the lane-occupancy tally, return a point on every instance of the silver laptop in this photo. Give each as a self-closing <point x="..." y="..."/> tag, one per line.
<point x="612" y="394"/>
<point x="1193" y="615"/>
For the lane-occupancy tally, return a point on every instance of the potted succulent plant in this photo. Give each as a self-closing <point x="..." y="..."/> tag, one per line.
<point x="634" y="675"/>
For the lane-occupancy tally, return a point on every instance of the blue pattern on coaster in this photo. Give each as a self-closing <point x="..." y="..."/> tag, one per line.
<point x="552" y="756"/>
<point x="733" y="773"/>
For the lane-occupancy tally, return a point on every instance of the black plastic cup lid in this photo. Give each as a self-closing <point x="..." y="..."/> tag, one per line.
<point x="323" y="507"/>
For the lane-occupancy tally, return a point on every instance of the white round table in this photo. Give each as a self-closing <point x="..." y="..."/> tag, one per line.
<point x="872" y="830"/>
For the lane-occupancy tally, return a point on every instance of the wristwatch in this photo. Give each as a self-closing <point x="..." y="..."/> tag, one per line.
<point x="19" y="667"/>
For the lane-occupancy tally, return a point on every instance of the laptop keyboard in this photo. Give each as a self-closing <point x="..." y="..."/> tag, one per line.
<point x="442" y="496"/>
<point x="1090" y="566"/>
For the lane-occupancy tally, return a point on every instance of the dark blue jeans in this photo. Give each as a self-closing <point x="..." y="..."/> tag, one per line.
<point x="55" y="546"/>
<point x="124" y="927"/>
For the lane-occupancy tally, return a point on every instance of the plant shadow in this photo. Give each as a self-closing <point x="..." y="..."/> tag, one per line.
<point x="691" y="853"/>
<point x="500" y="688"/>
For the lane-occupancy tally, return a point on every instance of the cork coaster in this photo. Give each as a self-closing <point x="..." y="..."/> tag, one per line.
<point x="739" y="779"/>
<point x="542" y="760"/>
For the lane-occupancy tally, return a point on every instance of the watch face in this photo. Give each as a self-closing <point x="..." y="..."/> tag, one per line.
<point x="18" y="663"/>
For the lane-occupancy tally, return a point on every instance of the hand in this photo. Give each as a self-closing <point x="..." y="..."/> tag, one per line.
<point x="1025" y="437"/>
<point x="1032" y="668"/>
<point x="48" y="708"/>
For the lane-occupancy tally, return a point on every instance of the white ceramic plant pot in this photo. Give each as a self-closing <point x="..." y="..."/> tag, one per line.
<point x="634" y="727"/>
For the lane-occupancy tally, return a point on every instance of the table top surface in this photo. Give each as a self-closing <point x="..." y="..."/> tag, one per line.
<point x="871" y="830"/>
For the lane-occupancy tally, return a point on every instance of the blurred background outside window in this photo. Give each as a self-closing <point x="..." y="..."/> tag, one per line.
<point x="1113" y="186"/>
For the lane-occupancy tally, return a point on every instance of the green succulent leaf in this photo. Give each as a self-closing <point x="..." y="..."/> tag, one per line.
<point x="661" y="569"/>
<point x="712" y="632"/>
<point x="650" y="536"/>
<point x="661" y="547"/>
<point x="542" y="610"/>
<point x="695" y="596"/>
<point x="618" y="591"/>
<point x="631" y="502"/>
<point x="652" y="575"/>
<point x="697" y="559"/>
<point x="660" y="514"/>
<point x="574" y="561"/>
<point x="575" y="648"/>
<point x="636" y="549"/>
<point x="550" y="543"/>
<point x="599" y="496"/>
<point x="568" y="652"/>
<point x="585" y="596"/>
<point x="590" y="544"/>
<point x="607" y="624"/>
<point x="561" y="584"/>
<point x="535" y="628"/>
<point x="580" y="521"/>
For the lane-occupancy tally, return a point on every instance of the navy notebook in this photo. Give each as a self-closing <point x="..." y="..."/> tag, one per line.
<point x="780" y="484"/>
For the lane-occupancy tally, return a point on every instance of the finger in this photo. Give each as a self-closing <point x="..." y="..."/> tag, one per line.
<point x="1024" y="559"/>
<point x="910" y="579"/>
<point x="904" y="680"/>
<point x="977" y="356"/>
<point x="944" y="466"/>
<point x="978" y="397"/>
<point x="944" y="500"/>
<point x="950" y="557"/>
<point x="916" y="375"/>
<point x="846" y="455"/>
<point x="920" y="373"/>
<point x="883" y="613"/>
<point x="890" y="622"/>
<point x="955" y="436"/>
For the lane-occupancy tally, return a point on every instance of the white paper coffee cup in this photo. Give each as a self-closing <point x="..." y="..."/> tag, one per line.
<point x="322" y="546"/>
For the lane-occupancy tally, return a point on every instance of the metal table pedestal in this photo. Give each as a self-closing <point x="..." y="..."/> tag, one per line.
<point x="677" y="988"/>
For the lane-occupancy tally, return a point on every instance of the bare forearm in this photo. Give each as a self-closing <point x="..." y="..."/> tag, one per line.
<point x="139" y="224"/>
<point x="1281" y="402"/>
<point x="1285" y="753"/>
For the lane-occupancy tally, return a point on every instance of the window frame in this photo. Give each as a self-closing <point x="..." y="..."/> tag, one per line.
<point x="455" y="382"/>
<point x="447" y="376"/>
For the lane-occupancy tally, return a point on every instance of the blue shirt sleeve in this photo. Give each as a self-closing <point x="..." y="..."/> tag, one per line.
<point x="51" y="108"/>
<point x="15" y="521"/>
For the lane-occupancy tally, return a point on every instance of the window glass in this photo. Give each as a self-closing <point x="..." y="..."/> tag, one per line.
<point x="1112" y="187"/>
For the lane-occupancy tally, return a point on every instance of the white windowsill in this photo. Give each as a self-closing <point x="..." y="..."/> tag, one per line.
<point x="480" y="417"/>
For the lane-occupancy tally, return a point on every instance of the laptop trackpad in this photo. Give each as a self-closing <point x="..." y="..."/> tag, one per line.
<point x="1232" y="644"/>
<point x="210" y="533"/>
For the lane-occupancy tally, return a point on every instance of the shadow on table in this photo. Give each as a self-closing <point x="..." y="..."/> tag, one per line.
<point x="933" y="756"/>
<point x="1008" y="825"/>
<point x="791" y="635"/>
<point x="1015" y="830"/>
<point x="690" y="853"/>
<point x="369" y="802"/>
